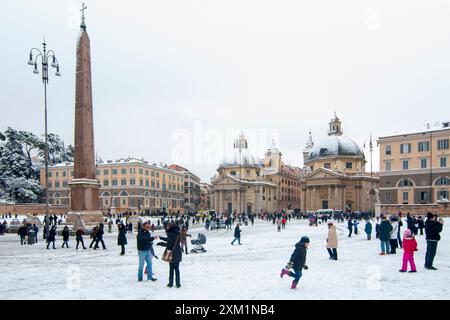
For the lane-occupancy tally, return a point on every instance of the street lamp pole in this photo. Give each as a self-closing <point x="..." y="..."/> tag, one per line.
<point x="44" y="56"/>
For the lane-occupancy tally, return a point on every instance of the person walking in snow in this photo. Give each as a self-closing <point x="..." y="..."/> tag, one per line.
<point x="377" y="228"/>
<point x="420" y="225"/>
<point x="283" y="223"/>
<point x="332" y="241"/>
<point x="51" y="237"/>
<point x="122" y="238"/>
<point x="184" y="236"/>
<point x="385" y="236"/>
<point x="22" y="232"/>
<point x="237" y="234"/>
<point x="368" y="229"/>
<point x="99" y="237"/>
<point x="409" y="246"/>
<point x="93" y="235"/>
<point x="297" y="262"/>
<point x="278" y="224"/>
<point x="79" y="238"/>
<point x="35" y="229"/>
<point x="65" y="234"/>
<point x="350" y="227"/>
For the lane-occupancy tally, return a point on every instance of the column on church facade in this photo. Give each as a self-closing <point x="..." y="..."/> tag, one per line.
<point x="221" y="201"/>
<point x="313" y="199"/>
<point x="337" y="202"/>
<point x="330" y="198"/>
<point x="358" y="198"/>
<point x="234" y="200"/>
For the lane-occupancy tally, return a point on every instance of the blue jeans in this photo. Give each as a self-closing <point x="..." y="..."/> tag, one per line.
<point x="147" y="257"/>
<point x="238" y="239"/>
<point x="296" y="274"/>
<point x="385" y="247"/>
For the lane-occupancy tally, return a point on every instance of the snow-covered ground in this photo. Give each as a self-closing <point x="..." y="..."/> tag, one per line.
<point x="250" y="271"/>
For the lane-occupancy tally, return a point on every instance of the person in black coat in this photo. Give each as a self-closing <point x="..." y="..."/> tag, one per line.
<point x="51" y="237"/>
<point x="420" y="225"/>
<point x="79" y="237"/>
<point x="237" y="234"/>
<point x="350" y="227"/>
<point x="22" y="232"/>
<point x="173" y="244"/>
<point x="65" y="234"/>
<point x="122" y="238"/>
<point x="99" y="237"/>
<point x="297" y="262"/>
<point x="35" y="229"/>
<point x="432" y="230"/>
<point x="145" y="251"/>
<point x="93" y="236"/>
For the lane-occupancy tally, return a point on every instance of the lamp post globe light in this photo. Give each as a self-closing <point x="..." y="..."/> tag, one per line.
<point x="37" y="56"/>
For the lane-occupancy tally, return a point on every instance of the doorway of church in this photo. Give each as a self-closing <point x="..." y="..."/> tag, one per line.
<point x="230" y="207"/>
<point x="324" y="204"/>
<point x="249" y="209"/>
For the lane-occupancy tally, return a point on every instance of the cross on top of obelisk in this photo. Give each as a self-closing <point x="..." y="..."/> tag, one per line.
<point x="83" y="25"/>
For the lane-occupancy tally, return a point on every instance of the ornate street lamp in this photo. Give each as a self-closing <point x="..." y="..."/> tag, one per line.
<point x="44" y="57"/>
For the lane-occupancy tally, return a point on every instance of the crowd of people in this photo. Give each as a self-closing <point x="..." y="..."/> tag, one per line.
<point x="388" y="230"/>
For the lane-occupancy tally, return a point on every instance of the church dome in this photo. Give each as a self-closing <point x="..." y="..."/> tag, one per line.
<point x="242" y="157"/>
<point x="335" y="145"/>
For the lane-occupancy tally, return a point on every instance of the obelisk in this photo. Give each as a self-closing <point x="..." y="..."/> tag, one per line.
<point x="84" y="187"/>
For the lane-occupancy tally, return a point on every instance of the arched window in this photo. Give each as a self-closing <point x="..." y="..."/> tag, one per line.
<point x="123" y="193"/>
<point x="106" y="194"/>
<point x="442" y="181"/>
<point x="405" y="183"/>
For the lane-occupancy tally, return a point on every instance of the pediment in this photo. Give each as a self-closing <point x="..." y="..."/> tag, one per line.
<point x="323" y="173"/>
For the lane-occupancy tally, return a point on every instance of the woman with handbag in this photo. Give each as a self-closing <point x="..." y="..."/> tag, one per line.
<point x="173" y="252"/>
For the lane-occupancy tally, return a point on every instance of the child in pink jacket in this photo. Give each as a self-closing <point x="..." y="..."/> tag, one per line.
<point x="409" y="246"/>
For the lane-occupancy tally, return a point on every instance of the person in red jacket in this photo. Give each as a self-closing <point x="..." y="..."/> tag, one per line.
<point x="409" y="246"/>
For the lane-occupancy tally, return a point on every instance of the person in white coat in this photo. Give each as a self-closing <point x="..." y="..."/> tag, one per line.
<point x="394" y="232"/>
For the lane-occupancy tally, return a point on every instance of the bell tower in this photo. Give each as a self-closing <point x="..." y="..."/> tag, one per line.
<point x="335" y="126"/>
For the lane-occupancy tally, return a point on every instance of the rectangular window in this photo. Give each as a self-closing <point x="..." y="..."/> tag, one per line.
<point x="123" y="182"/>
<point x="388" y="166"/>
<point x="405" y="164"/>
<point x="49" y="174"/>
<point x="57" y="174"/>
<point x="105" y="183"/>
<point x="56" y="184"/>
<point x="141" y="171"/>
<point x="64" y="174"/>
<point x="388" y="196"/>
<point x="132" y="170"/>
<point x="443" y="162"/>
<point x="348" y="165"/>
<point x="71" y="173"/>
<point x="327" y="165"/>
<point x="123" y="171"/>
<point x="443" y="194"/>
<point x="141" y="182"/>
<point x="64" y="184"/>
<point x="146" y="172"/>
<point x="132" y="181"/>
<point x="114" y="171"/>
<point x="146" y="183"/>
<point x="114" y="182"/>
<point x="153" y="184"/>
<point x="405" y="196"/>
<point x="157" y="184"/>
<point x="105" y="172"/>
<point x="424" y="146"/>
<point x="442" y="144"/>
<point x="405" y="148"/>
<point x="423" y="163"/>
<point x="388" y="149"/>
<point x="423" y="197"/>
<point x="97" y="172"/>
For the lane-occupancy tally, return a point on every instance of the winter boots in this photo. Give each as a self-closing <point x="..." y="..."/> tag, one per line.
<point x="284" y="272"/>
<point x="294" y="285"/>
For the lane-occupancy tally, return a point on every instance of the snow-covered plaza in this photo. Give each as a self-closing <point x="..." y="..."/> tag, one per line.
<point x="249" y="271"/>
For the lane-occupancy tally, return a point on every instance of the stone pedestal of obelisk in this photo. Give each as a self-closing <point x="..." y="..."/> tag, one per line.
<point x="84" y="187"/>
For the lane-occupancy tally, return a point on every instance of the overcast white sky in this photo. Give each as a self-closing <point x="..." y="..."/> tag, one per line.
<point x="174" y="74"/>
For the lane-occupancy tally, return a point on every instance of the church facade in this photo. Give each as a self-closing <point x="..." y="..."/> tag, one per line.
<point x="334" y="175"/>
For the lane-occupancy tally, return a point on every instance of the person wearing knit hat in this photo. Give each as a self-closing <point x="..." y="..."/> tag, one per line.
<point x="297" y="262"/>
<point x="432" y="230"/>
<point x="332" y="241"/>
<point x="409" y="246"/>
